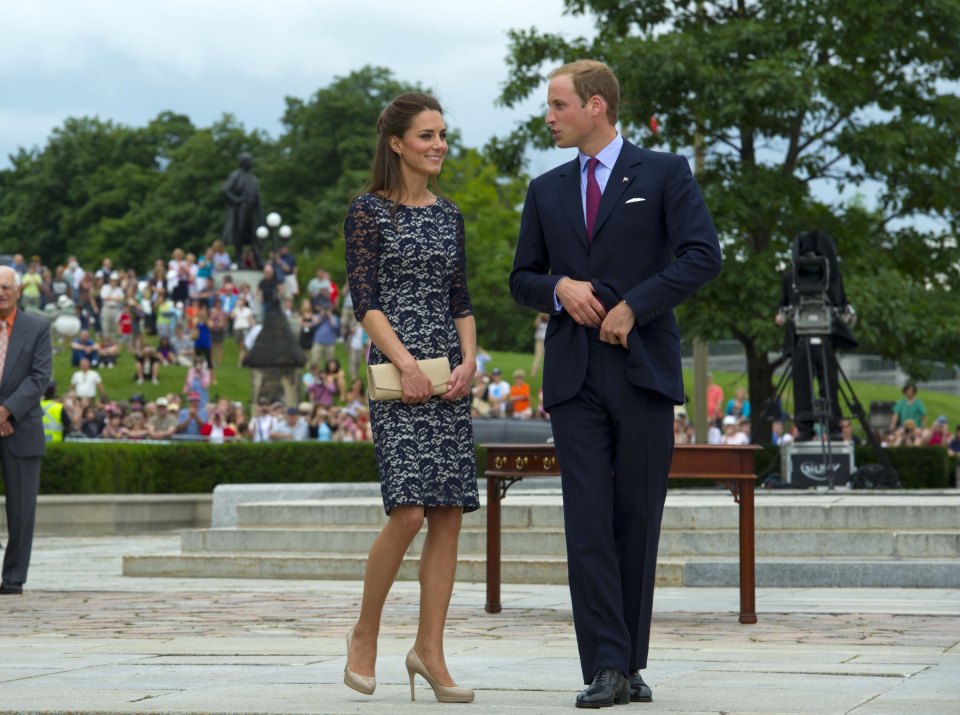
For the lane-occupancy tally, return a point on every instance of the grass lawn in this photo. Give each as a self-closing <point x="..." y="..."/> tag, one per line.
<point x="233" y="382"/>
<point x="120" y="383"/>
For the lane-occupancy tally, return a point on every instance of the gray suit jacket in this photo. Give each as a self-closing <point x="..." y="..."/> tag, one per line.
<point x="26" y="374"/>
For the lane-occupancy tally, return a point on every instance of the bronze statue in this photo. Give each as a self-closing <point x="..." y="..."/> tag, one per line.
<point x="242" y="191"/>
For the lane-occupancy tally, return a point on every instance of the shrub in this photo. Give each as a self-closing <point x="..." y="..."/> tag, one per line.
<point x="137" y="468"/>
<point x="92" y="468"/>
<point x="918" y="467"/>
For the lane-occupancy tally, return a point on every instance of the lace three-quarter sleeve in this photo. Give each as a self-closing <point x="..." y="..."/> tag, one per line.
<point x="362" y="239"/>
<point x="460" y="306"/>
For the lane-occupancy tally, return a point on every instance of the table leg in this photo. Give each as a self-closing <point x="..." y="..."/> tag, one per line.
<point x="493" y="545"/>
<point x="748" y="580"/>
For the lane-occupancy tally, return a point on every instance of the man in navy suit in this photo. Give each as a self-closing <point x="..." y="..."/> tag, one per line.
<point x="609" y="244"/>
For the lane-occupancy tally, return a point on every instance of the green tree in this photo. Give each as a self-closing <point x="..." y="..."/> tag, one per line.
<point x="186" y="208"/>
<point x="102" y="189"/>
<point x="489" y="204"/>
<point x="793" y="103"/>
<point x="324" y="160"/>
<point x="324" y="153"/>
<point x="58" y="200"/>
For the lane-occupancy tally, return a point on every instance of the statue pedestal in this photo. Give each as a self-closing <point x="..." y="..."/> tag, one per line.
<point x="276" y="361"/>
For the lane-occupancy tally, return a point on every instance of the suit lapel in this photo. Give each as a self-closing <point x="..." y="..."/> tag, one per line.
<point x="571" y="200"/>
<point x="621" y="177"/>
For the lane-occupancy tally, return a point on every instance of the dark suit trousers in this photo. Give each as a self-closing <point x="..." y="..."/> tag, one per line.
<point x="615" y="443"/>
<point x="21" y="481"/>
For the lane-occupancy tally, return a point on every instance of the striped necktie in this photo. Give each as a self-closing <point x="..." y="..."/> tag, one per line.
<point x="593" y="195"/>
<point x="4" y="342"/>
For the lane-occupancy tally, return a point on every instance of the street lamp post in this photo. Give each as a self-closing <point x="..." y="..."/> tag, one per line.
<point x="276" y="359"/>
<point x="282" y="235"/>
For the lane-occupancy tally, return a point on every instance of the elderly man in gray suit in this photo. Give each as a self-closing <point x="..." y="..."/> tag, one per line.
<point x="25" y="369"/>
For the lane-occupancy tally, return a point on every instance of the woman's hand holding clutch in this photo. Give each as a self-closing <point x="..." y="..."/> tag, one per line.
<point x="461" y="380"/>
<point x="417" y="388"/>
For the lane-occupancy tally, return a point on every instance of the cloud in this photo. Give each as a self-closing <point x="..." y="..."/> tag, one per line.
<point x="130" y="60"/>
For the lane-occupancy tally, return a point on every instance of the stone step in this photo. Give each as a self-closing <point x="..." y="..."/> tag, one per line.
<point x="76" y="514"/>
<point x="828" y="572"/>
<point x="903" y="512"/>
<point x="771" y="573"/>
<point x="342" y="539"/>
<point x="529" y="569"/>
<point x="902" y="539"/>
<point x="358" y="539"/>
<point x="815" y="544"/>
<point x="369" y="512"/>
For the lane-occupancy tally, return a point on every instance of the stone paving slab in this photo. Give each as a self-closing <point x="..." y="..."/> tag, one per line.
<point x="83" y="638"/>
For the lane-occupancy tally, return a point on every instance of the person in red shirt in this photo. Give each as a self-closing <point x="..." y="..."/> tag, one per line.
<point x="714" y="401"/>
<point x="125" y="326"/>
<point x="334" y="293"/>
<point x="940" y="435"/>
<point x="216" y="430"/>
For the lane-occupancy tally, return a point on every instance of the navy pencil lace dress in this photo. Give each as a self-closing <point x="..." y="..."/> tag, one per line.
<point x="411" y="265"/>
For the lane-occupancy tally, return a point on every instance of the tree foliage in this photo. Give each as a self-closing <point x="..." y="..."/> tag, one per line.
<point x="326" y="150"/>
<point x="797" y="105"/>
<point x="489" y="202"/>
<point x="102" y="189"/>
<point x="98" y="189"/>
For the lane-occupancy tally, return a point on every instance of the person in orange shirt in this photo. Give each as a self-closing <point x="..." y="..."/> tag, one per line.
<point x="714" y="401"/>
<point x="520" y="396"/>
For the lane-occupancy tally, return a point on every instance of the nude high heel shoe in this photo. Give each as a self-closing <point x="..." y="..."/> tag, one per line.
<point x="443" y="693"/>
<point x="365" y="684"/>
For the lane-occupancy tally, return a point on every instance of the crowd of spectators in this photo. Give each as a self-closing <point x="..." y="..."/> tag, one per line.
<point x="493" y="396"/>
<point x="178" y="316"/>
<point x="909" y="427"/>
<point x="729" y="423"/>
<point x="175" y="321"/>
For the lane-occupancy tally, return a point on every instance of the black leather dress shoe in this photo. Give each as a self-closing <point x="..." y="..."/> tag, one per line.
<point x="639" y="691"/>
<point x="8" y="589"/>
<point x="609" y="687"/>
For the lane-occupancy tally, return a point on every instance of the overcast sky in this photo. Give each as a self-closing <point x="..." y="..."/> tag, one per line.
<point x="130" y="60"/>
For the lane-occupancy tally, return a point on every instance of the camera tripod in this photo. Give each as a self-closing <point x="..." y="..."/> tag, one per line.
<point x="818" y="351"/>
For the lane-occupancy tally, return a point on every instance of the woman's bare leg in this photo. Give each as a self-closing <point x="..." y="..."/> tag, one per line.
<point x="383" y="563"/>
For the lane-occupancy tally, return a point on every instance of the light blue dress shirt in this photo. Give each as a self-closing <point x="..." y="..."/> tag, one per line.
<point x="608" y="157"/>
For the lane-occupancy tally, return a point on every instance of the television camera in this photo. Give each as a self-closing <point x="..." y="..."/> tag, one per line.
<point x="818" y="318"/>
<point x="812" y="311"/>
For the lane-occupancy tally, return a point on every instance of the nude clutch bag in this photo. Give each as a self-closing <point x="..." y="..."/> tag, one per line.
<point x="383" y="381"/>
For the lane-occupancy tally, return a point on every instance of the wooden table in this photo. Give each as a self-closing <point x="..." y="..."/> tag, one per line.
<point x="508" y="464"/>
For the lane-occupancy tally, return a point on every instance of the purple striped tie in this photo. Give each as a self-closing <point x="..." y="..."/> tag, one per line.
<point x="593" y="195"/>
<point x="4" y="344"/>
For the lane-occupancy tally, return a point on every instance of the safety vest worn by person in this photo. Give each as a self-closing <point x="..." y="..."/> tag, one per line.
<point x="52" y="420"/>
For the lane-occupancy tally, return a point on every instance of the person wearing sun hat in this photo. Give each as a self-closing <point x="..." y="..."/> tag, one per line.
<point x="939" y="434"/>
<point x="163" y="424"/>
<point x="498" y="393"/>
<point x="192" y="417"/>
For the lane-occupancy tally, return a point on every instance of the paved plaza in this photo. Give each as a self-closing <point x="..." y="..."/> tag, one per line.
<point x="83" y="638"/>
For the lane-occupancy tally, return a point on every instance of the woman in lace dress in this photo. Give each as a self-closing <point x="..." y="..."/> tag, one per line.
<point x="407" y="275"/>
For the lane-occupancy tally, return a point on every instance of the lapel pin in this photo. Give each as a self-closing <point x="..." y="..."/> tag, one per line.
<point x="625" y="179"/>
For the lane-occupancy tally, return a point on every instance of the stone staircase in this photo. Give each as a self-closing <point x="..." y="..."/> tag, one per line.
<point x="850" y="539"/>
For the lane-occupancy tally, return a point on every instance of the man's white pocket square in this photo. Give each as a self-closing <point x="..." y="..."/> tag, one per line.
<point x="634" y="200"/>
